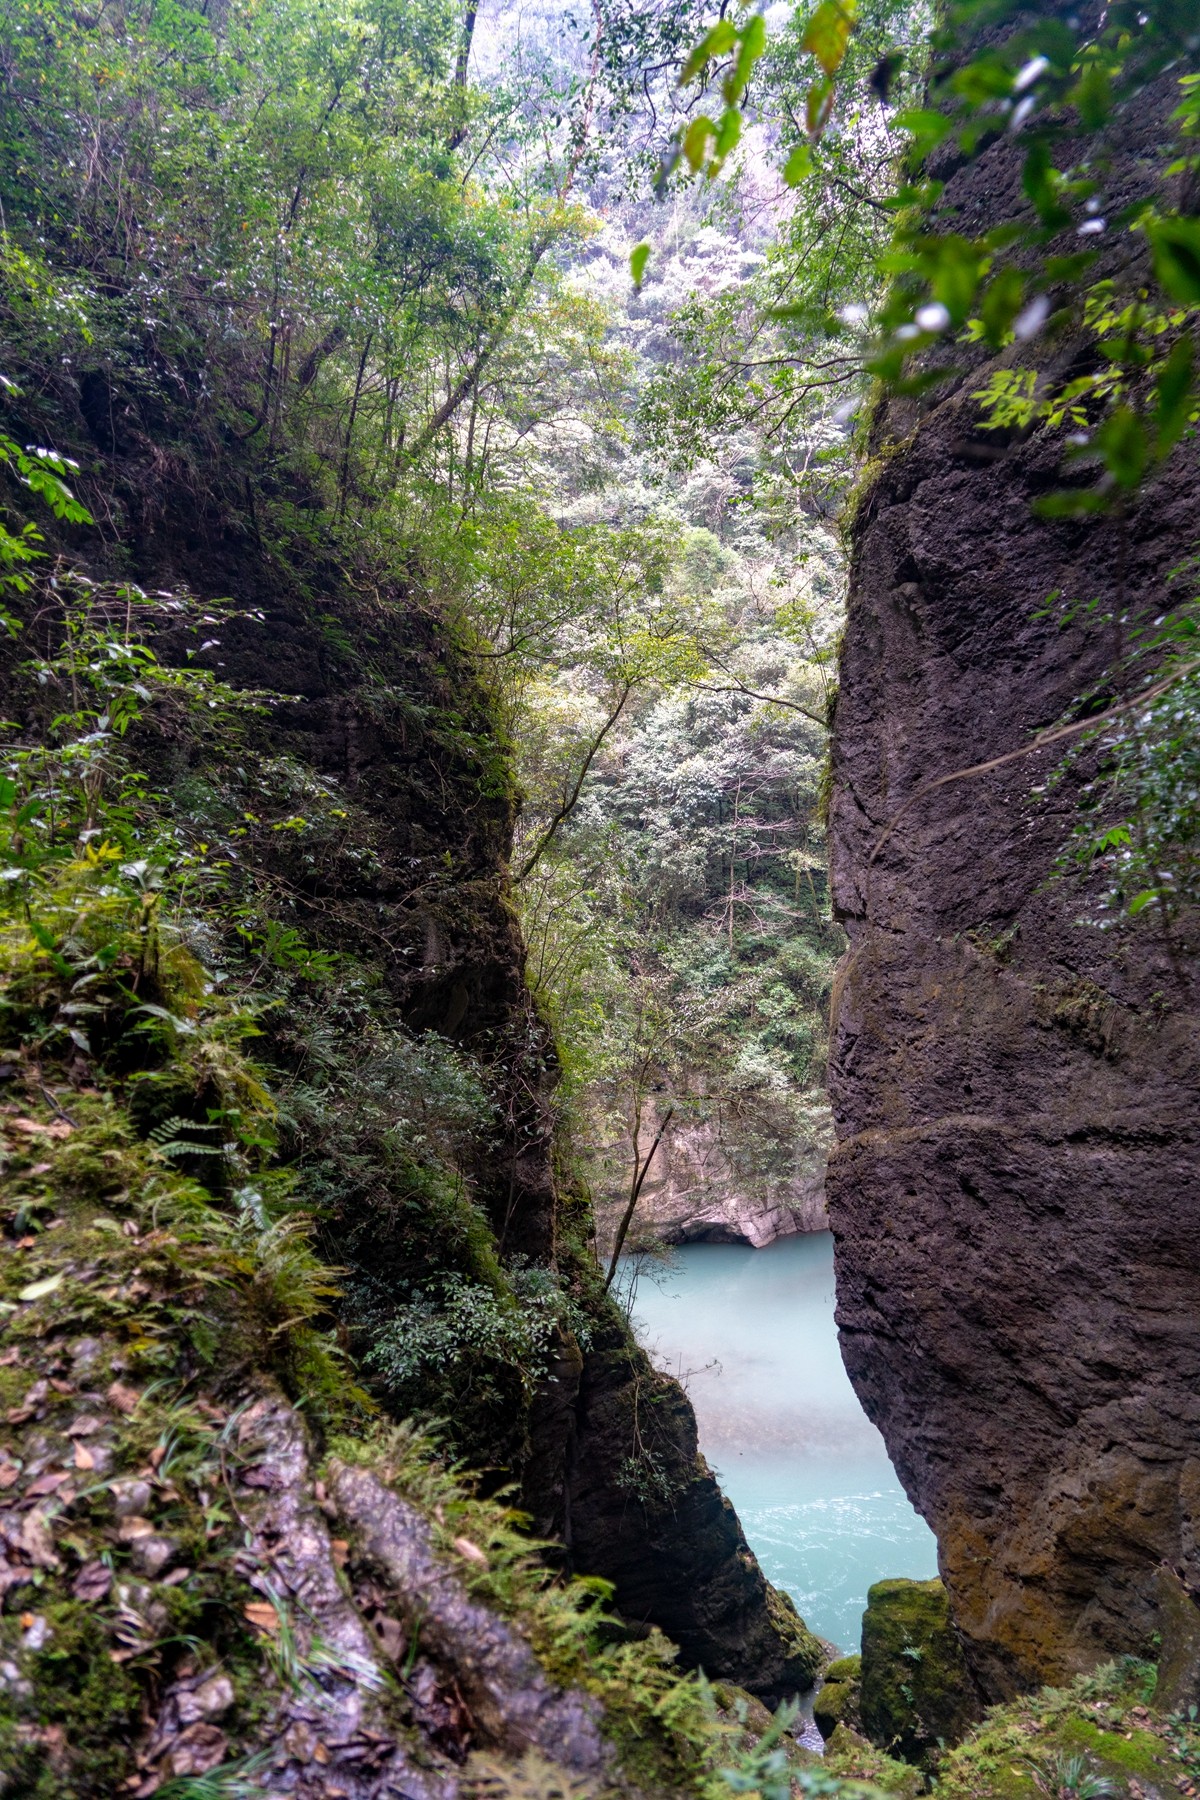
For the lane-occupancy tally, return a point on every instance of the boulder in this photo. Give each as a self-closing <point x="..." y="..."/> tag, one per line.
<point x="917" y="1693"/>
<point x="837" y="1702"/>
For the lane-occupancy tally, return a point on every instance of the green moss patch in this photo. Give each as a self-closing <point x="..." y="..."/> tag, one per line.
<point x="1063" y="1741"/>
<point x="852" y="1758"/>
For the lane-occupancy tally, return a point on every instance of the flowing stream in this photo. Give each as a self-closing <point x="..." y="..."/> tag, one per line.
<point x="752" y="1335"/>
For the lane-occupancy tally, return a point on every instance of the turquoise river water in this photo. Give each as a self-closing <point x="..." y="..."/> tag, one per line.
<point x="751" y="1332"/>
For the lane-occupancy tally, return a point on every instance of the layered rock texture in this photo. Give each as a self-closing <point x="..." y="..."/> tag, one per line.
<point x="1015" y="1187"/>
<point x="695" y="1192"/>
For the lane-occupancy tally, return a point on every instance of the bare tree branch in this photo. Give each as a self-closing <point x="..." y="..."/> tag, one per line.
<point x="569" y="803"/>
<point x="640" y="1173"/>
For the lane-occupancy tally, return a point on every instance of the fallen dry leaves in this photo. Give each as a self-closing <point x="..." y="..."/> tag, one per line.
<point x="57" y="1128"/>
<point x="261" y="1614"/>
<point x="471" y="1552"/>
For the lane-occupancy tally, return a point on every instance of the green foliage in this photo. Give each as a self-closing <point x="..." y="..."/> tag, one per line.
<point x="42" y="473"/>
<point x="337" y="302"/>
<point x="1059" y="1740"/>
<point x="290" y="222"/>
<point x="664" y="1724"/>
<point x="769" y="357"/>
<point x="1123" y="289"/>
<point x="111" y="889"/>
<point x="1068" y="1777"/>
<point x="106" y="895"/>
<point x="764" y="1768"/>
<point x="441" y="1346"/>
<point x="680" y="939"/>
<point x="309" y="288"/>
<point x="1140" y="823"/>
<point x="239" y="1780"/>
<point x="736" y="48"/>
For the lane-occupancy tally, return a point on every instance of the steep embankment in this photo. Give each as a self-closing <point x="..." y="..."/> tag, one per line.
<point x="1014" y="1187"/>
<point x="607" y="1456"/>
<point x="175" y="1359"/>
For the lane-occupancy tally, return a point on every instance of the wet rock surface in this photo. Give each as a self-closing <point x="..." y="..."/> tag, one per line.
<point x="1015" y="1185"/>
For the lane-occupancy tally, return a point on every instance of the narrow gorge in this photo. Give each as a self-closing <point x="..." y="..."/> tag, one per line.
<point x="598" y="731"/>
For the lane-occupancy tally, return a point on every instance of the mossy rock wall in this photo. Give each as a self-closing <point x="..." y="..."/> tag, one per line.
<point x="370" y="808"/>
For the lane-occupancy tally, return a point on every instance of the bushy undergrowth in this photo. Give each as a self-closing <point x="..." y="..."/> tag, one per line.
<point x="672" y="1730"/>
<point x="150" y="951"/>
<point x="134" y="1281"/>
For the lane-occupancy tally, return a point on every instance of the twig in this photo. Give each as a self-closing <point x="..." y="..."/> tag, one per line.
<point x="48" y="1097"/>
<point x="1042" y="742"/>
<point x="627" y="1216"/>
<point x="570" y="800"/>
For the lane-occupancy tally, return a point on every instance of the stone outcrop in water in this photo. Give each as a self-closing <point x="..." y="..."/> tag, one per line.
<point x="1014" y="1191"/>
<point x="696" y="1192"/>
<point x="643" y="1506"/>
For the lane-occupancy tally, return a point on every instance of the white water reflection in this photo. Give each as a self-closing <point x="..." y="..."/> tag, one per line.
<point x="751" y="1333"/>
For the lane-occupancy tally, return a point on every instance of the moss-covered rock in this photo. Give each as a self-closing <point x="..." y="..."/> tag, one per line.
<point x="852" y="1758"/>
<point x="917" y="1692"/>
<point x="1105" y="1733"/>
<point x="803" y="1650"/>
<point x="1103" y="1728"/>
<point x="837" y="1702"/>
<point x="1179" y="1663"/>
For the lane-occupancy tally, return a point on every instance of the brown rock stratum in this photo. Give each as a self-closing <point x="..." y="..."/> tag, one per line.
<point x="1015" y="1190"/>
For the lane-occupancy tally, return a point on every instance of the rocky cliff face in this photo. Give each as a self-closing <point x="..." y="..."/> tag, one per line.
<point x="385" y="744"/>
<point x="695" y="1191"/>
<point x="1015" y="1184"/>
<point x="437" y="905"/>
<point x="659" y="1526"/>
